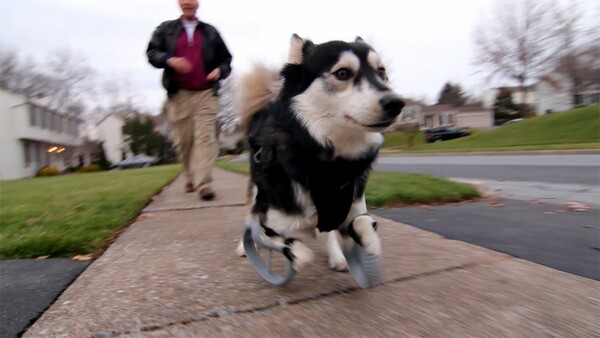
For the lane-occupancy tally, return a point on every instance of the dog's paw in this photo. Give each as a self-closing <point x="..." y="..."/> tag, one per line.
<point x="363" y="227"/>
<point x="338" y="264"/>
<point x="240" y="249"/>
<point x="301" y="253"/>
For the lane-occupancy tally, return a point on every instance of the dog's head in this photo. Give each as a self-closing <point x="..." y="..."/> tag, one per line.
<point x="341" y="86"/>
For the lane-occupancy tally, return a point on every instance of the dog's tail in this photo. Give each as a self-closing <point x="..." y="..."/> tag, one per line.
<point x="255" y="90"/>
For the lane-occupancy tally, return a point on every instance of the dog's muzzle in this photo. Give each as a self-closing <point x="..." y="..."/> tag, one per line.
<point x="391" y="105"/>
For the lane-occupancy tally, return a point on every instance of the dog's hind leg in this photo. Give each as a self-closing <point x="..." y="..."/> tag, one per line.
<point x="294" y="249"/>
<point x="336" y="260"/>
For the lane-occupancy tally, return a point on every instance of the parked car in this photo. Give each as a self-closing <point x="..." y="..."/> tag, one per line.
<point x="136" y="161"/>
<point x="512" y="121"/>
<point x="438" y="134"/>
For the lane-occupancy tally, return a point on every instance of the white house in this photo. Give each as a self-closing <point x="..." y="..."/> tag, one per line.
<point x="553" y="94"/>
<point x="32" y="136"/>
<point x="550" y="94"/>
<point x="109" y="131"/>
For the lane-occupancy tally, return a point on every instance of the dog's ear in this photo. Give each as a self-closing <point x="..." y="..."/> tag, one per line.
<point x="359" y="40"/>
<point x="298" y="48"/>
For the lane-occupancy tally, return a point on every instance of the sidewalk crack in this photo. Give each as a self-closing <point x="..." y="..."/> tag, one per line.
<point x="219" y="313"/>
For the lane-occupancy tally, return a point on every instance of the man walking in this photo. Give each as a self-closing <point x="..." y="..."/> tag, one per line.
<point x="194" y="58"/>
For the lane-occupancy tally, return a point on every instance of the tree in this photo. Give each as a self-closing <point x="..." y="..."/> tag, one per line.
<point x="452" y="94"/>
<point x="63" y="83"/>
<point x="142" y="138"/>
<point x="520" y="42"/>
<point x="504" y="107"/>
<point x="580" y="52"/>
<point x="103" y="163"/>
<point x="72" y="81"/>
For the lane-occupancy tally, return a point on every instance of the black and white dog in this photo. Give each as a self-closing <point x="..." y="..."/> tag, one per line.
<point x="314" y="132"/>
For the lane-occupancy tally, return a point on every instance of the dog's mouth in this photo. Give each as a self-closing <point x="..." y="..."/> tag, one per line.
<point x="370" y="127"/>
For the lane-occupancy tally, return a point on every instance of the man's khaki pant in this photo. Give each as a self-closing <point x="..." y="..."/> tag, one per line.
<point x="193" y="117"/>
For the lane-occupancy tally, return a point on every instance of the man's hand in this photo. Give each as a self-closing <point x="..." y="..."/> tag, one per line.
<point x="214" y="76"/>
<point x="180" y="65"/>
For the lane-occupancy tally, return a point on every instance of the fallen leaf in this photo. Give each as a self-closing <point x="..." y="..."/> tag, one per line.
<point x="144" y="217"/>
<point x="579" y="207"/>
<point x="496" y="204"/>
<point x="82" y="258"/>
<point x="548" y="213"/>
<point x="42" y="257"/>
<point x="535" y="202"/>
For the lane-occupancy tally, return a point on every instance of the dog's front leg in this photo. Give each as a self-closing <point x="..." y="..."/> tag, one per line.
<point x="362" y="231"/>
<point x="360" y="227"/>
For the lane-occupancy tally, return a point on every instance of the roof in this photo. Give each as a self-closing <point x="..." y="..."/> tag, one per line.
<point x="473" y="107"/>
<point x="439" y="108"/>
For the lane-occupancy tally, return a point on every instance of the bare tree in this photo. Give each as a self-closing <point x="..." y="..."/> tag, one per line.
<point x="72" y="79"/>
<point x="9" y="67"/>
<point x="519" y="42"/>
<point x="64" y="83"/>
<point x="22" y="76"/>
<point x="579" y="60"/>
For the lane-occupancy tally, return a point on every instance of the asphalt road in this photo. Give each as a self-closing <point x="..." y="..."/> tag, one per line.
<point x="29" y="287"/>
<point x="547" y="234"/>
<point x="555" y="178"/>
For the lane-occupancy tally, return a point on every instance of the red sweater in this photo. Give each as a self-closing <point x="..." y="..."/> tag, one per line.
<point x="192" y="51"/>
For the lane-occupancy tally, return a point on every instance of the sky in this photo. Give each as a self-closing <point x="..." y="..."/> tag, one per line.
<point x="423" y="43"/>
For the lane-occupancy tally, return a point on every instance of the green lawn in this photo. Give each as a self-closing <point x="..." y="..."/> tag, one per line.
<point x="574" y="129"/>
<point x="74" y="214"/>
<point x="387" y="189"/>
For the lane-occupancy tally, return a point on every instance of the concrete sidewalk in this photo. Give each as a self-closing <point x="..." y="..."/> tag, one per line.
<point x="174" y="273"/>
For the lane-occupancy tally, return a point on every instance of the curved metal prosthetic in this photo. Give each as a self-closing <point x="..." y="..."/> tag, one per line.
<point x="252" y="239"/>
<point x="364" y="266"/>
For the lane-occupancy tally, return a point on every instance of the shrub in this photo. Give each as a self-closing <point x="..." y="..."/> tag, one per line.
<point x="47" y="171"/>
<point x="71" y="169"/>
<point x="90" y="168"/>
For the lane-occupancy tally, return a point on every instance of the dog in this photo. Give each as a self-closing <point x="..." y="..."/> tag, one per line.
<point x="314" y="131"/>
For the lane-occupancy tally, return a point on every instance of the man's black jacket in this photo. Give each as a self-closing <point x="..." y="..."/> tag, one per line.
<point x="163" y="43"/>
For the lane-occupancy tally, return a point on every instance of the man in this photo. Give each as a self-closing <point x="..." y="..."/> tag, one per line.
<point x="194" y="58"/>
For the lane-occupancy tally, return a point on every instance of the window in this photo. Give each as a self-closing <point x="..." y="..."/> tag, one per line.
<point x="50" y="120"/>
<point x="43" y="118"/>
<point x="27" y="152"/>
<point x="37" y="157"/>
<point x="60" y="123"/>
<point x="32" y="116"/>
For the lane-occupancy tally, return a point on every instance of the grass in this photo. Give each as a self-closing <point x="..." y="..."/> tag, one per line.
<point x="573" y="129"/>
<point x="390" y="189"/>
<point x="69" y="215"/>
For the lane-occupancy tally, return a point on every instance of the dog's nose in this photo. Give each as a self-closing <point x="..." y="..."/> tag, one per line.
<point x="392" y="105"/>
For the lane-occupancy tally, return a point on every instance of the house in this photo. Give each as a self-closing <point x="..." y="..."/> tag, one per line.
<point x="465" y="116"/>
<point x="33" y="136"/>
<point x="109" y="131"/>
<point x="551" y="93"/>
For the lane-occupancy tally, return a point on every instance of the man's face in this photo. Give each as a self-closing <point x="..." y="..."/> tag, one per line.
<point x="188" y="7"/>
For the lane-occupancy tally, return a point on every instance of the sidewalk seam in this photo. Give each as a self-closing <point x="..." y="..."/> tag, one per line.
<point x="193" y="208"/>
<point x="225" y="312"/>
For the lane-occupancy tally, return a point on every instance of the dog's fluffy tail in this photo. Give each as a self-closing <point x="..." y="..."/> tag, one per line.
<point x="255" y="90"/>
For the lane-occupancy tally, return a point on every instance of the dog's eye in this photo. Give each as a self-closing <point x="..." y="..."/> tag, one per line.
<point x="343" y="74"/>
<point x="382" y="74"/>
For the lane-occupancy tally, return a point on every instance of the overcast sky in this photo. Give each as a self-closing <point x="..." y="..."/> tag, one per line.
<point x="424" y="43"/>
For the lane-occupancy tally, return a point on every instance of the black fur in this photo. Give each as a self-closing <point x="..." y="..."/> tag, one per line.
<point x="288" y="152"/>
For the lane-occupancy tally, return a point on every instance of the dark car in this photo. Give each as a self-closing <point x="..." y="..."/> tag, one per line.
<point x="137" y="161"/>
<point x="439" y="134"/>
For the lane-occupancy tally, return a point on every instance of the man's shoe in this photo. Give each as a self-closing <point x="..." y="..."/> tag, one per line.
<point x="207" y="194"/>
<point x="189" y="187"/>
